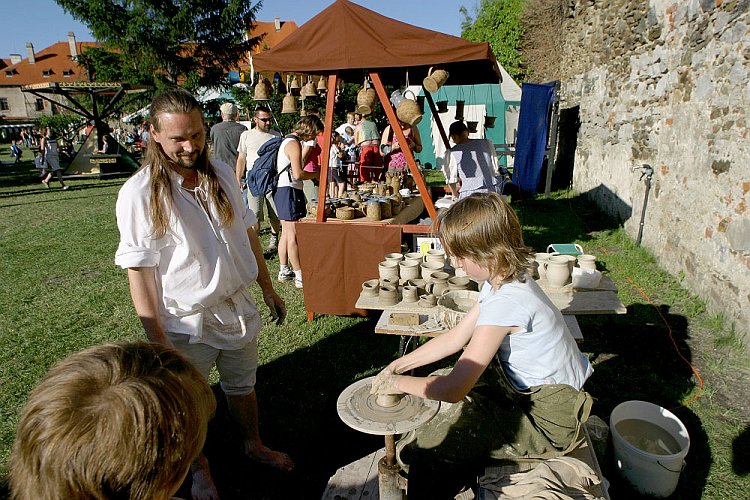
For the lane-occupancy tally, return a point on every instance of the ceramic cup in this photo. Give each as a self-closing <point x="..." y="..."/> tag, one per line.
<point x="370" y="288"/>
<point x="459" y="283"/>
<point x="541" y="258"/>
<point x="427" y="300"/>
<point x="410" y="293"/>
<point x="558" y="271"/>
<point x="439" y="283"/>
<point x="389" y="281"/>
<point x="415" y="256"/>
<point x="587" y="261"/>
<point x="419" y="283"/>
<point x="435" y="256"/>
<point x="394" y="256"/>
<point x="431" y="267"/>
<point x="388" y="269"/>
<point x="388" y="295"/>
<point x="409" y="269"/>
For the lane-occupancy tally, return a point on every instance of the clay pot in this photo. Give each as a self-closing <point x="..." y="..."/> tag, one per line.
<point x="587" y="261"/>
<point x="366" y="100"/>
<point x="410" y="293"/>
<point x="430" y="267"/>
<point x="396" y="257"/>
<point x="419" y="283"/>
<point x="439" y="283"/>
<point x="388" y="295"/>
<point x="370" y="288"/>
<point x="472" y="126"/>
<point x="415" y="256"/>
<point x="409" y="269"/>
<point x="558" y="271"/>
<point x="345" y="213"/>
<point x="434" y="80"/>
<point x="262" y="90"/>
<point x="388" y="269"/>
<point x="408" y="112"/>
<point x="459" y="110"/>
<point x="489" y="121"/>
<point x="428" y="300"/>
<point x="459" y="283"/>
<point x="373" y="210"/>
<point x="294" y="87"/>
<point x="435" y="256"/>
<point x="541" y="258"/>
<point x="442" y="106"/>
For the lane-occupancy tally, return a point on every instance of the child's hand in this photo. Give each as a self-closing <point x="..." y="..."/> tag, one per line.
<point x="385" y="383"/>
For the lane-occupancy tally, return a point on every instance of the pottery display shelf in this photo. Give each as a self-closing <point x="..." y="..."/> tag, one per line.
<point x="600" y="300"/>
<point x="606" y="283"/>
<point x="412" y="209"/>
<point x="366" y="302"/>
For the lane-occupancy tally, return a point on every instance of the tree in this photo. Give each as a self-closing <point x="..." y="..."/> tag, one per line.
<point x="499" y="23"/>
<point x="192" y="43"/>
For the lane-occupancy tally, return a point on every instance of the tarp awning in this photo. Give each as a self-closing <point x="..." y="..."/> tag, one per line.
<point x="350" y="39"/>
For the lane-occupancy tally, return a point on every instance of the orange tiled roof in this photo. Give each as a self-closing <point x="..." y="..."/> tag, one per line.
<point x="54" y="62"/>
<point x="4" y="63"/>
<point x="272" y="37"/>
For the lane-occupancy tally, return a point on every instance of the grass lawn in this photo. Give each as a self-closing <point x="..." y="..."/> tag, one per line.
<point x="61" y="292"/>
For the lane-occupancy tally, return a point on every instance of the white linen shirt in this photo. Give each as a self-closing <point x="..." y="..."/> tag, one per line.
<point x="202" y="268"/>
<point x="543" y="351"/>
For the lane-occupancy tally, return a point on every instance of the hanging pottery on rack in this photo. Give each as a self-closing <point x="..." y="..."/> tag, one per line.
<point x="262" y="90"/>
<point x="322" y="87"/>
<point x="294" y="87"/>
<point x="407" y="109"/>
<point x="366" y="98"/>
<point x="472" y="122"/>
<point x="309" y="89"/>
<point x="288" y="104"/>
<point x="442" y="104"/>
<point x="434" y="80"/>
<point x="489" y="120"/>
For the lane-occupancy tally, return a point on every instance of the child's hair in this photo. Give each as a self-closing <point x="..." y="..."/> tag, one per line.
<point x="120" y="420"/>
<point x="484" y="228"/>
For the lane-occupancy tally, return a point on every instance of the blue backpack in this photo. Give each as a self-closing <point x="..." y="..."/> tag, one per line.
<point x="263" y="178"/>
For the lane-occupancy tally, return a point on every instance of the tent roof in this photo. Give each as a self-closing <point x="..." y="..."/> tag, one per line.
<point x="351" y="39"/>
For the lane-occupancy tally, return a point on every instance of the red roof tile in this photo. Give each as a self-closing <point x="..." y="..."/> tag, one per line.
<point x="54" y="62"/>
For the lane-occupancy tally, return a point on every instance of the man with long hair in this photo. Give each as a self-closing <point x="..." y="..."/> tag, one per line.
<point x="188" y="243"/>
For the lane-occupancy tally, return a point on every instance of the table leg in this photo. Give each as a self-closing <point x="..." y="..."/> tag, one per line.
<point x="389" y="480"/>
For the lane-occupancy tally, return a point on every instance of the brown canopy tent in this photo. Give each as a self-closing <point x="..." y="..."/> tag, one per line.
<point x="385" y="50"/>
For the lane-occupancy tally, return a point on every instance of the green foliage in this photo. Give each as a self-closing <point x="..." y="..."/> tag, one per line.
<point x="64" y="125"/>
<point x="499" y="23"/>
<point x="191" y="43"/>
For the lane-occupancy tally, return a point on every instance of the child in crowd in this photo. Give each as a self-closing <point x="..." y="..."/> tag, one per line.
<point x="337" y="170"/>
<point x="114" y="421"/>
<point x="516" y="389"/>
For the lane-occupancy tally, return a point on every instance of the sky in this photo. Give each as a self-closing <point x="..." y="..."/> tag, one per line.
<point x="44" y="22"/>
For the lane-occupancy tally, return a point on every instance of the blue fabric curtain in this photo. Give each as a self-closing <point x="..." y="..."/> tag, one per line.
<point x="533" y="126"/>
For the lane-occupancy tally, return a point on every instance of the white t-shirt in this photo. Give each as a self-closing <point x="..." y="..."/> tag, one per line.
<point x="203" y="268"/>
<point x="250" y="141"/>
<point x="282" y="160"/>
<point x="543" y="352"/>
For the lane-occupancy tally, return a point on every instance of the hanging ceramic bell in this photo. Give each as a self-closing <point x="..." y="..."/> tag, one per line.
<point x="289" y="104"/>
<point x="294" y="87"/>
<point x="322" y="87"/>
<point x="261" y="93"/>
<point x="309" y="90"/>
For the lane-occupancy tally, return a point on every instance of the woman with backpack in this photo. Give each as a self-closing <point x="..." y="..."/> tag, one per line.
<point x="289" y="197"/>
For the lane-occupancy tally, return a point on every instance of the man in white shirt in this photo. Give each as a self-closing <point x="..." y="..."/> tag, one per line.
<point x="190" y="249"/>
<point x="247" y="153"/>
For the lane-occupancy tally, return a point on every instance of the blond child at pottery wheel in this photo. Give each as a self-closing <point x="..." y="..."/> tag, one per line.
<point x="516" y="388"/>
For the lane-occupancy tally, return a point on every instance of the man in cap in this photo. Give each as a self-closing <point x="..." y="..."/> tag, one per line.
<point x="247" y="153"/>
<point x="225" y="136"/>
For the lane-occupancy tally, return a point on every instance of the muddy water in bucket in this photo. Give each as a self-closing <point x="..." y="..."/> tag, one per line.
<point x="650" y="446"/>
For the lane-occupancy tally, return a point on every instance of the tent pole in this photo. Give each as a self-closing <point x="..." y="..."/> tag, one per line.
<point x="324" y="155"/>
<point x="391" y="114"/>
<point x="436" y="117"/>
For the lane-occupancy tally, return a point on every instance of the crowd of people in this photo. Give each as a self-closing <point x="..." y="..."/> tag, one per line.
<point x="189" y="240"/>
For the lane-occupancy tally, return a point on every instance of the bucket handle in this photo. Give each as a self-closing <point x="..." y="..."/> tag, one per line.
<point x="410" y="92"/>
<point x="673" y="471"/>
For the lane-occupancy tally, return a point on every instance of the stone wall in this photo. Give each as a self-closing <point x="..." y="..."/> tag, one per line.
<point x="665" y="82"/>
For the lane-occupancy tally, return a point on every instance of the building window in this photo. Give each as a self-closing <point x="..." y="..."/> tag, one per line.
<point x="47" y="73"/>
<point x="67" y="73"/>
<point x="9" y="73"/>
<point x="39" y="105"/>
<point x="4" y="104"/>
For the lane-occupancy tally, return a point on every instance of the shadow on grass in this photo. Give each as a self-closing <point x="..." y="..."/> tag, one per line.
<point x="634" y="359"/>
<point x="741" y="453"/>
<point x="297" y="396"/>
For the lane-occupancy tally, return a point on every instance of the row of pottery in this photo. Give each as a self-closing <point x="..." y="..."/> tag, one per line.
<point x="414" y="290"/>
<point x="557" y="269"/>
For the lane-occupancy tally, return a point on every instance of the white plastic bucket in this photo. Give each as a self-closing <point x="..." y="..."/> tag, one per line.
<point x="649" y="473"/>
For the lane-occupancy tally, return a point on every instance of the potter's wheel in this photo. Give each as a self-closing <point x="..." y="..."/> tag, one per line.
<point x="360" y="411"/>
